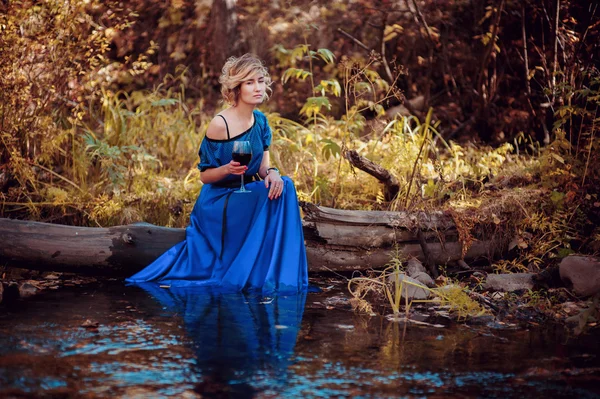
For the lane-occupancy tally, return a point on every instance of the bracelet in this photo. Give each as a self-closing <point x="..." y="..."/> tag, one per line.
<point x="275" y="169"/>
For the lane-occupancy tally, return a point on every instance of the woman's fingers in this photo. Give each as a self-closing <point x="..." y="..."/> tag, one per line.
<point x="276" y="189"/>
<point x="236" y="169"/>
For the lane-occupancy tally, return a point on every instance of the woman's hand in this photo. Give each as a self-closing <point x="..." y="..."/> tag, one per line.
<point x="274" y="183"/>
<point x="235" y="168"/>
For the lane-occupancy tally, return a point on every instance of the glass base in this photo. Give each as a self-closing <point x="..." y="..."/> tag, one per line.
<point x="240" y="191"/>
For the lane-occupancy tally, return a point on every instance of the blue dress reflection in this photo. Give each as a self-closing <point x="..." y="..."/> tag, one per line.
<point x="238" y="337"/>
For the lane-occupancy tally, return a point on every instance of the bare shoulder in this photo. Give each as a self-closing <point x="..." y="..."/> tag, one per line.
<point x="217" y="129"/>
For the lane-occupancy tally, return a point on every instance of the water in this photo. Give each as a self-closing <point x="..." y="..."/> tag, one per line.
<point x="188" y="344"/>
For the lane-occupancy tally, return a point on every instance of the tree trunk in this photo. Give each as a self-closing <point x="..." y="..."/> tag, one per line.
<point x="335" y="240"/>
<point x="221" y="34"/>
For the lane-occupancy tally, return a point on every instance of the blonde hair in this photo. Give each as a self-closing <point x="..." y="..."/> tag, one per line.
<point x="236" y="70"/>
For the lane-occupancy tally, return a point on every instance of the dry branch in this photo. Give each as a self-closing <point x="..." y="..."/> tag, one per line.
<point x="391" y="185"/>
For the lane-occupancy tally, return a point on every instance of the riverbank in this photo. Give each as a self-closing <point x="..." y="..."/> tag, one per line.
<point x="501" y="301"/>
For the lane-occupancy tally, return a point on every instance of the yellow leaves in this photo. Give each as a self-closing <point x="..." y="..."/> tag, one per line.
<point x="309" y="139"/>
<point x="332" y="86"/>
<point x="56" y="195"/>
<point x="428" y="190"/>
<point x="178" y="55"/>
<point x="391" y="31"/>
<point x="557" y="157"/>
<point x="496" y="219"/>
<point x="380" y="197"/>
<point x="110" y="33"/>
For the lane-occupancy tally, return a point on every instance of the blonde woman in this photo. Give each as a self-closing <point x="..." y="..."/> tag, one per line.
<point x="245" y="231"/>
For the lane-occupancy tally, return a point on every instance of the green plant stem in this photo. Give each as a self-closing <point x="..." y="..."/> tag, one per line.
<point x="414" y="169"/>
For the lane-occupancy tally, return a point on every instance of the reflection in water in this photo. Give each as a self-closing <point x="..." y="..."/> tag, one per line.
<point x="189" y="344"/>
<point x="237" y="337"/>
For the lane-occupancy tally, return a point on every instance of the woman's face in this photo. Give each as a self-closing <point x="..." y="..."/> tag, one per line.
<point x="252" y="90"/>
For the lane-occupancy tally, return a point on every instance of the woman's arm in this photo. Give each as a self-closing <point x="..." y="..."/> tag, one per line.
<point x="272" y="179"/>
<point x="213" y="175"/>
<point x="218" y="131"/>
<point x="264" y="165"/>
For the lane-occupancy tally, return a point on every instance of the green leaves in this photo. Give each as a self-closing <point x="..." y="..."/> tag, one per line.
<point x="325" y="55"/>
<point x="163" y="102"/>
<point x="313" y="106"/>
<point x="296" y="73"/>
<point x="330" y="148"/>
<point x="116" y="161"/>
<point x="557" y="198"/>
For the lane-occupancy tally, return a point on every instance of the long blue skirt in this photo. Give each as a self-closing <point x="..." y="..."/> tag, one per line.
<point x="238" y="242"/>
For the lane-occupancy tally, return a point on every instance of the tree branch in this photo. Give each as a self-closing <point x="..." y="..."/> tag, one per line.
<point x="524" y="34"/>
<point x="391" y="184"/>
<point x="489" y="48"/>
<point x="355" y="40"/>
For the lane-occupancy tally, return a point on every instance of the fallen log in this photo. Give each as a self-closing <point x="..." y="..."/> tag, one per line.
<point x="335" y="239"/>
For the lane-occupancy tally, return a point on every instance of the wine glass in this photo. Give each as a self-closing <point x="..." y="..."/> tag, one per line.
<point x="242" y="153"/>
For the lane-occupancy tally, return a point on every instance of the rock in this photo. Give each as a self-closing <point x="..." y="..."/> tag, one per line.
<point x="509" y="282"/>
<point x="416" y="270"/>
<point x="337" y="301"/>
<point x="26" y="289"/>
<point x="581" y="274"/>
<point x="414" y="266"/>
<point x="417" y="103"/>
<point x="408" y="287"/>
<point x="571" y="308"/>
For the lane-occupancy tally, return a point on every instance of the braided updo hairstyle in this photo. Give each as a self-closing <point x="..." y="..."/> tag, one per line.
<point x="236" y="70"/>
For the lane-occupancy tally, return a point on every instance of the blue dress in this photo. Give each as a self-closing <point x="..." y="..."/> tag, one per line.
<point x="240" y="339"/>
<point x="237" y="241"/>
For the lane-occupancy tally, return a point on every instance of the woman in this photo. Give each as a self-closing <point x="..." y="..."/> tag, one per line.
<point x="240" y="241"/>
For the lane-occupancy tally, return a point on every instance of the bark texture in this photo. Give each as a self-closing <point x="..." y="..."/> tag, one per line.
<point x="335" y="239"/>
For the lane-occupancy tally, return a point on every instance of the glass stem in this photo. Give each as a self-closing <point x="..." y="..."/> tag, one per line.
<point x="242" y="188"/>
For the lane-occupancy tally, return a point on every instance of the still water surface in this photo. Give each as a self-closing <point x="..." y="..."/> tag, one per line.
<point x="185" y="343"/>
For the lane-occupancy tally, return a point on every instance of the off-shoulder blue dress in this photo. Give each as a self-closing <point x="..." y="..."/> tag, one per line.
<point x="237" y="241"/>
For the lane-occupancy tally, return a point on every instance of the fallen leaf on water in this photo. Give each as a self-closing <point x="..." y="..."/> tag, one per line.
<point x="90" y="324"/>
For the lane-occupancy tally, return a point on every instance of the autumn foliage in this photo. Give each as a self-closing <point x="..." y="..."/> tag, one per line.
<point x="104" y="103"/>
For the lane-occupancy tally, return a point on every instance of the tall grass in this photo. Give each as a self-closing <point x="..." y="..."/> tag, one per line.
<point x="136" y="161"/>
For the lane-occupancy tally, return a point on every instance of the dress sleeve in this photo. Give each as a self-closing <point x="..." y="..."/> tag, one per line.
<point x="207" y="157"/>
<point x="266" y="133"/>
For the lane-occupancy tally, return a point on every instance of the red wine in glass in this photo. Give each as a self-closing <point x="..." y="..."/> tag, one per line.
<point x="243" y="159"/>
<point x="242" y="153"/>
